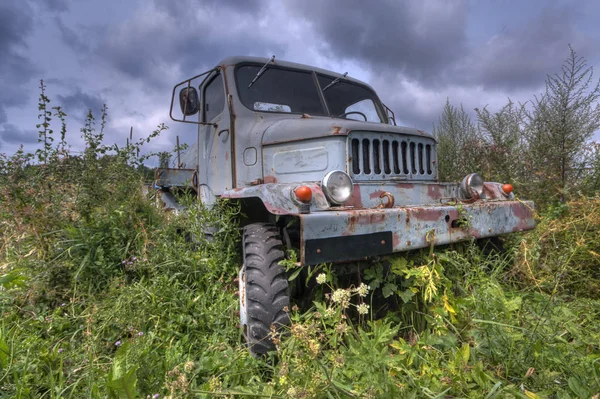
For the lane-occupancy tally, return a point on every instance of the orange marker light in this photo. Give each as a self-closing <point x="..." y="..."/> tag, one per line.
<point x="304" y="194"/>
<point x="507" y="188"/>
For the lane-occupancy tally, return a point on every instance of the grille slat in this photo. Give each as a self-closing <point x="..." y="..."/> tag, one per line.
<point x="366" y="155"/>
<point x="376" y="156"/>
<point x="396" y="156"/>
<point x="387" y="156"/>
<point x="421" y="160"/>
<point x="381" y="156"/>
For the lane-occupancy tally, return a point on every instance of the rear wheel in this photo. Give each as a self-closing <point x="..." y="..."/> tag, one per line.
<point x="264" y="290"/>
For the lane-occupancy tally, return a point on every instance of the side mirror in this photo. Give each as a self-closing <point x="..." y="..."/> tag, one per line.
<point x="188" y="101"/>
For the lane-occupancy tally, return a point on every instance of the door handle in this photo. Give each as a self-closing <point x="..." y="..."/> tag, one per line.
<point x="224" y="131"/>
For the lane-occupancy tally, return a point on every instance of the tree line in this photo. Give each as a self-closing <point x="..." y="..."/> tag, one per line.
<point x="543" y="147"/>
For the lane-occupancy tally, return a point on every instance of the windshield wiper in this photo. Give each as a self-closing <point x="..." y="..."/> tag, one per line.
<point x="261" y="71"/>
<point x="335" y="81"/>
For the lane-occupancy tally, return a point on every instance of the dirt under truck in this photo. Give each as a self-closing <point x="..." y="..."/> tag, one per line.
<point x="318" y="164"/>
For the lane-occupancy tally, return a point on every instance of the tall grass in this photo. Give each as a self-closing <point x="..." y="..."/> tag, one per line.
<point x="102" y="296"/>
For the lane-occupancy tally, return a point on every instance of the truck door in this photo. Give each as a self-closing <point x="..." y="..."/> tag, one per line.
<point x="217" y="139"/>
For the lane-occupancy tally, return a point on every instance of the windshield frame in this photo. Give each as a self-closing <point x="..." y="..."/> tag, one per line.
<point x="315" y="77"/>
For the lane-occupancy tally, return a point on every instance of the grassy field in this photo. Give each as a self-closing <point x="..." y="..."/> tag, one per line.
<point x="103" y="297"/>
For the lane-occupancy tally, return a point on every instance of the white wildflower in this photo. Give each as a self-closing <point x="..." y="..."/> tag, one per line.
<point x="363" y="308"/>
<point x="321" y="278"/>
<point x="363" y="290"/>
<point x="342" y="297"/>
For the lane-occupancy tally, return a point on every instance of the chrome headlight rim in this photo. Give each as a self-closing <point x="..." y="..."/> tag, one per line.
<point x="328" y="191"/>
<point x="471" y="186"/>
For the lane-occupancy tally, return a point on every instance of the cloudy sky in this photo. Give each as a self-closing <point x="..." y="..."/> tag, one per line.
<point x="129" y="53"/>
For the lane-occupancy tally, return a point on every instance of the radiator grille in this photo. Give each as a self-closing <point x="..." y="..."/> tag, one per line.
<point x="380" y="156"/>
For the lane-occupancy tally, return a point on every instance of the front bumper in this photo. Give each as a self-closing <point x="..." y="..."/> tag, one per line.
<point x="344" y="235"/>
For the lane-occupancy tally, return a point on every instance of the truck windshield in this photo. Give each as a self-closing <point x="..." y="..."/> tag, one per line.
<point x="294" y="91"/>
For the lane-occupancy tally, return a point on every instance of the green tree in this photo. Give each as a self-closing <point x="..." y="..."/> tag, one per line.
<point x="562" y="120"/>
<point x="459" y="146"/>
<point x="590" y="184"/>
<point x="503" y="133"/>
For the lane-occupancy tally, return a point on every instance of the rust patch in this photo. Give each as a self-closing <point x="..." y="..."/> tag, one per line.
<point x="434" y="192"/>
<point x="376" y="194"/>
<point x="428" y="215"/>
<point x="364" y="218"/>
<point x="404" y="186"/>
<point x="524" y="215"/>
<point x="491" y="191"/>
<point x="305" y="116"/>
<point x="355" y="199"/>
<point x="352" y="224"/>
<point x="270" y="179"/>
<point x="227" y="156"/>
<point x="337" y="129"/>
<point x="395" y="240"/>
<point x="422" y="132"/>
<point x="521" y="211"/>
<point x="475" y="233"/>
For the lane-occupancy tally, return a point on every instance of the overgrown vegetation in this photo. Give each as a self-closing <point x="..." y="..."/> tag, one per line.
<point x="102" y="296"/>
<point x="542" y="147"/>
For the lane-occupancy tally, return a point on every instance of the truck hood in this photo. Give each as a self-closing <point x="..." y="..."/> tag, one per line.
<point x="303" y="127"/>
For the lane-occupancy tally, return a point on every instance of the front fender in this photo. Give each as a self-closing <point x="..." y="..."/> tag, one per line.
<point x="279" y="199"/>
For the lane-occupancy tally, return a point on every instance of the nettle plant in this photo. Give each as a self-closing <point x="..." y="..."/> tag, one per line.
<point x="54" y="199"/>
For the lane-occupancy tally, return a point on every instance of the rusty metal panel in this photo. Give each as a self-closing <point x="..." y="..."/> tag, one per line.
<point x="376" y="195"/>
<point x="414" y="227"/>
<point x="364" y="196"/>
<point x="166" y="178"/>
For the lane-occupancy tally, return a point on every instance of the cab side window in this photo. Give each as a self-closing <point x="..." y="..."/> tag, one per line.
<point x="214" y="98"/>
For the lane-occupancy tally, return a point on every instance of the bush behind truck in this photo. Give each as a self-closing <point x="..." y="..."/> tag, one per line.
<point x="317" y="163"/>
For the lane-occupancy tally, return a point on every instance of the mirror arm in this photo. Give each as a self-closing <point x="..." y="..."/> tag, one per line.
<point x="188" y="82"/>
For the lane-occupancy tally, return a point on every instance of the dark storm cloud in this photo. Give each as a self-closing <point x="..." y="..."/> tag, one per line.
<point x="15" y="24"/>
<point x="16" y="69"/>
<point x="427" y="42"/>
<point x="143" y="50"/>
<point x="12" y="134"/>
<point x="56" y="5"/>
<point x="186" y="8"/>
<point x="418" y="38"/>
<point x="73" y="39"/>
<point x="522" y="56"/>
<point x="78" y="103"/>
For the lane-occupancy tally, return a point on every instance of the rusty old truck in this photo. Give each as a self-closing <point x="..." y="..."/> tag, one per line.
<point x="317" y="163"/>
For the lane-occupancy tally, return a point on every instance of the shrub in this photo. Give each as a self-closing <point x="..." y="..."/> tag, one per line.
<point x="562" y="255"/>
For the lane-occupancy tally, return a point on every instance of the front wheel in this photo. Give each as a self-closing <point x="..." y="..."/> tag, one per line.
<point x="264" y="290"/>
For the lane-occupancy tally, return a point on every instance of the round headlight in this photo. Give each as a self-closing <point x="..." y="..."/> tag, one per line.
<point x="337" y="186"/>
<point x="472" y="186"/>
